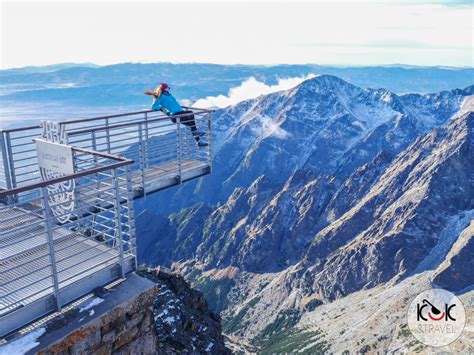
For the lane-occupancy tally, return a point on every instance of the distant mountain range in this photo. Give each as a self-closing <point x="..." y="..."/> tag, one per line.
<point x="122" y="84"/>
<point x="317" y="193"/>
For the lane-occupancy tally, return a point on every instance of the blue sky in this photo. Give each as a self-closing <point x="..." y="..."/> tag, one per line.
<point x="348" y="32"/>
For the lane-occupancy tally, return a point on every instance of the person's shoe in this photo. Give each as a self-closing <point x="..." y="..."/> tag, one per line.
<point x="202" y="144"/>
<point x="198" y="133"/>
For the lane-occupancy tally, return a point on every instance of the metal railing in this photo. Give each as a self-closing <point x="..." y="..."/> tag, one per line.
<point x="64" y="236"/>
<point x="42" y="258"/>
<point x="150" y="138"/>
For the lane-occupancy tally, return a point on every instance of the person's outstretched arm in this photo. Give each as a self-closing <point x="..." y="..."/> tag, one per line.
<point x="149" y="92"/>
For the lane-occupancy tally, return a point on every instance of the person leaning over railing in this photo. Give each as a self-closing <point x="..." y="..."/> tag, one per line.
<point x="164" y="101"/>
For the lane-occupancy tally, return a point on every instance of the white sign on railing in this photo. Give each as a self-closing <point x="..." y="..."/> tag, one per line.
<point x="54" y="157"/>
<point x="56" y="160"/>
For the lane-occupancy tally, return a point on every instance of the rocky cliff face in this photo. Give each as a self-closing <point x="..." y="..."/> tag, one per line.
<point x="398" y="223"/>
<point x="182" y="321"/>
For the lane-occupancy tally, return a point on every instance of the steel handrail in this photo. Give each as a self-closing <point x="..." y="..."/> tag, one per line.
<point x="121" y="162"/>
<point x="133" y="123"/>
<point x="18" y="129"/>
<point x="207" y="110"/>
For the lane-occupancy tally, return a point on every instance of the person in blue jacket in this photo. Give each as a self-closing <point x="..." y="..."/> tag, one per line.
<point x="164" y="101"/>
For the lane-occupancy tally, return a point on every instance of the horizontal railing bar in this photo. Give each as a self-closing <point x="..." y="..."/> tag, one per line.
<point x="136" y="141"/>
<point x="28" y="158"/>
<point x="101" y="154"/>
<point x="119" y="125"/>
<point x="90" y="268"/>
<point x="46" y="255"/>
<point x="33" y="247"/>
<point x="23" y="137"/>
<point x="67" y="257"/>
<point x="83" y="209"/>
<point x="17" y="190"/>
<point x="83" y="261"/>
<point x="28" y="172"/>
<point x="33" y="260"/>
<point x="207" y="110"/>
<point x="34" y="294"/>
<point x="124" y="146"/>
<point x="68" y="122"/>
<point x="112" y="128"/>
<point x="99" y="123"/>
<point x="84" y="250"/>
<point x="103" y="117"/>
<point x="29" y="285"/>
<point x="18" y="129"/>
<point x="16" y="152"/>
<point x="20" y="229"/>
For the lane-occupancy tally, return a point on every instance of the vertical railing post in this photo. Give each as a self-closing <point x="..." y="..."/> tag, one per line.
<point x="107" y="133"/>
<point x="6" y="169"/>
<point x="187" y="135"/>
<point x="142" y="155"/>
<point x="11" y="164"/>
<point x="94" y="145"/>
<point x="50" y="240"/>
<point x="94" y="148"/>
<point x="146" y="140"/>
<point x="209" y="141"/>
<point x="118" y="227"/>
<point x="131" y="214"/>
<point x="178" y="148"/>
<point x="77" y="200"/>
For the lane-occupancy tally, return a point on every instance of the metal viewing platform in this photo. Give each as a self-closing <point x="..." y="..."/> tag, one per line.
<point x="66" y="202"/>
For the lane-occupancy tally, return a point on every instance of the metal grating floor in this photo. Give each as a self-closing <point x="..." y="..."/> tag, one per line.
<point x="77" y="257"/>
<point x="31" y="235"/>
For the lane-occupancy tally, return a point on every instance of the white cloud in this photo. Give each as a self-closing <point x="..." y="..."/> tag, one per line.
<point x="249" y="89"/>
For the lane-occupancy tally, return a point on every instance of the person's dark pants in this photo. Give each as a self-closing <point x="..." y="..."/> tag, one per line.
<point x="187" y="120"/>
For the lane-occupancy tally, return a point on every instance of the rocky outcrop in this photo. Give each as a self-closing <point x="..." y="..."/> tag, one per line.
<point x="455" y="273"/>
<point x="122" y="329"/>
<point x="182" y="320"/>
<point x="165" y="316"/>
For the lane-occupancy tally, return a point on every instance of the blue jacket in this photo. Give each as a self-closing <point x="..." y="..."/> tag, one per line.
<point x="167" y="101"/>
